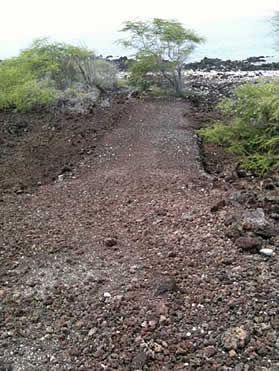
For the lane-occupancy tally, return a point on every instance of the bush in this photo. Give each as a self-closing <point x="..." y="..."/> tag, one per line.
<point x="19" y="89"/>
<point x="30" y="95"/>
<point x="141" y="72"/>
<point x="45" y="70"/>
<point x="252" y="132"/>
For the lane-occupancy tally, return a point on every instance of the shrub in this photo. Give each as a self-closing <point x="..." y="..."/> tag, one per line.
<point x="252" y="132"/>
<point x="40" y="73"/>
<point x="141" y="72"/>
<point x="19" y="88"/>
<point x="98" y="73"/>
<point x="29" y="95"/>
<point x="122" y="83"/>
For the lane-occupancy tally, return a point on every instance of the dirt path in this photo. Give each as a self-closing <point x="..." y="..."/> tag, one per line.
<point x="125" y="267"/>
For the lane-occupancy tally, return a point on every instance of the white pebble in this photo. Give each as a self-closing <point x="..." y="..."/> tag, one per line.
<point x="267" y="252"/>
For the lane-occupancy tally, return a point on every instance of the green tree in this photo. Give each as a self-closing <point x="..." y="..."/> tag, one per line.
<point x="162" y="46"/>
<point x="67" y="64"/>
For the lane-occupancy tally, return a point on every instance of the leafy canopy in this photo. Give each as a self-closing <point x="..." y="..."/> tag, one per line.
<point x="166" y="39"/>
<point x="164" y="43"/>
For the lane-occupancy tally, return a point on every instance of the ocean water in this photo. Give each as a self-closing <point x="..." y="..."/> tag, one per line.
<point x="231" y="39"/>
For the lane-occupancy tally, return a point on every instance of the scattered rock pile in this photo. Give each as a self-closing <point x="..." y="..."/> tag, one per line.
<point x="216" y="64"/>
<point x="253" y="223"/>
<point x="209" y="86"/>
<point x="213" y="79"/>
<point x="120" y="62"/>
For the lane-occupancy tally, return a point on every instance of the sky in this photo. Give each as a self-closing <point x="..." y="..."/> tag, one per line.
<point x="96" y="23"/>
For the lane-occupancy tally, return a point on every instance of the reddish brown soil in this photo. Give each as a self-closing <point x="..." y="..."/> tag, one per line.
<point x="125" y="267"/>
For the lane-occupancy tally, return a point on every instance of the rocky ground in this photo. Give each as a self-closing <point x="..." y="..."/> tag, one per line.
<point x="210" y="80"/>
<point x="137" y="258"/>
<point x="250" y="64"/>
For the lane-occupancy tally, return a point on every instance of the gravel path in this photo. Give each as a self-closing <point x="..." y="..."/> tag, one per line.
<point x="126" y="267"/>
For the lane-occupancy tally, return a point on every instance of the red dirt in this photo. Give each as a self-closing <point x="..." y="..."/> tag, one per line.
<point x="125" y="267"/>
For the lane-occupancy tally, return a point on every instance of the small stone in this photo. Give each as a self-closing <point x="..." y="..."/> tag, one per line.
<point x="144" y="324"/>
<point x="275" y="241"/>
<point x="272" y="199"/>
<point x="74" y="352"/>
<point x="248" y="243"/>
<point x="163" y="320"/>
<point x="158" y="348"/>
<point x="152" y="324"/>
<point x="107" y="295"/>
<point x="110" y="242"/>
<point x="239" y="367"/>
<point x="262" y="350"/>
<point x="218" y="206"/>
<point x="267" y="252"/>
<point x="162" y="308"/>
<point x="92" y="332"/>
<point x="235" y="338"/>
<point x="118" y="299"/>
<point x="232" y="353"/>
<point x="139" y="361"/>
<point x="255" y="218"/>
<point x="188" y="216"/>
<point x="79" y="324"/>
<point x="133" y="269"/>
<point x="49" y="330"/>
<point x="2" y="293"/>
<point x="269" y="186"/>
<point x="32" y="283"/>
<point x="172" y="254"/>
<point x="167" y="284"/>
<point x="209" y="351"/>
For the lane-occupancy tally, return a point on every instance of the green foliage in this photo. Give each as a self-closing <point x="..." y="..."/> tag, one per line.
<point x="19" y="88"/>
<point x="54" y="60"/>
<point x="162" y="46"/>
<point x="123" y="83"/>
<point x="219" y="133"/>
<point x="252" y="134"/>
<point x="157" y="92"/>
<point x="39" y="73"/>
<point x="69" y="66"/>
<point x="140" y="72"/>
<point x="30" y="94"/>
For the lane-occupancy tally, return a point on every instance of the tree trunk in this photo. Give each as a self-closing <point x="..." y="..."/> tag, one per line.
<point x="178" y="81"/>
<point x="88" y="82"/>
